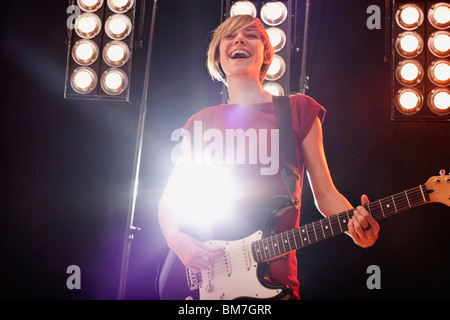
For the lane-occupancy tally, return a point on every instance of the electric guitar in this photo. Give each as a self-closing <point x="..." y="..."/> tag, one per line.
<point x="240" y="272"/>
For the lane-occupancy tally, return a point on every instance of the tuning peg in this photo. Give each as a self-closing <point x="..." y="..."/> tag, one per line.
<point x="442" y="172"/>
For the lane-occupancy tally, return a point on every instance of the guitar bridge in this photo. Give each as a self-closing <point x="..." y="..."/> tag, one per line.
<point x="194" y="280"/>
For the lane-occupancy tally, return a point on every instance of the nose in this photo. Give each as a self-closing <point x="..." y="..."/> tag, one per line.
<point x="239" y="40"/>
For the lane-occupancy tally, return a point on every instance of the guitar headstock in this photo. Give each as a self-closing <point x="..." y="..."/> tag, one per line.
<point x="439" y="188"/>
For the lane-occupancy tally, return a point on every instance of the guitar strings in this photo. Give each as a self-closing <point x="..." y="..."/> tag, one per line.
<point x="403" y="201"/>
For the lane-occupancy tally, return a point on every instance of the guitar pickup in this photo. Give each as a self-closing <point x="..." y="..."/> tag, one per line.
<point x="246" y="255"/>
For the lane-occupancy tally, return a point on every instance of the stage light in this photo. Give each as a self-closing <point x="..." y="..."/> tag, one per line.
<point x="90" y="5"/>
<point x="273" y="88"/>
<point x="439" y="101"/>
<point x="276" y="69"/>
<point x="102" y="38"/>
<point x="118" y="26"/>
<point x="116" y="53"/>
<point x="409" y="72"/>
<point x="88" y="25"/>
<point x="277" y="38"/>
<point x="408" y="101"/>
<point x="409" y="44"/>
<point x="409" y="16"/>
<point x="439" y="15"/>
<point x="439" y="73"/>
<point x="273" y="13"/>
<point x="243" y="7"/>
<point x="420" y="65"/>
<point x="120" y="6"/>
<point x="114" y="81"/>
<point x="278" y="19"/>
<point x="439" y="44"/>
<point x="83" y="80"/>
<point x="85" y="52"/>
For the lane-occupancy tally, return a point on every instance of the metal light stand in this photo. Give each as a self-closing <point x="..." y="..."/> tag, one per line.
<point x="137" y="160"/>
<point x="304" y="77"/>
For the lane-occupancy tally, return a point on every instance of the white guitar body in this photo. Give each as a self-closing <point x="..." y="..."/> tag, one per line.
<point x="234" y="275"/>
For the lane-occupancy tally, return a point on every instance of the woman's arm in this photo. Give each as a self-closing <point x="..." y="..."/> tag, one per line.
<point x="363" y="228"/>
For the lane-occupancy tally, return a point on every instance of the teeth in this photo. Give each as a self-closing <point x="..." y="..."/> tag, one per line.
<point x="239" y="54"/>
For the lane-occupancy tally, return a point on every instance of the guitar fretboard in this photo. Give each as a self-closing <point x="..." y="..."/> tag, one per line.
<point x="282" y="243"/>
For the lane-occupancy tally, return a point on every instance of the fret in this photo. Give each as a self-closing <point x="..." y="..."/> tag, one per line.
<point x="321" y="226"/>
<point x="328" y="228"/>
<point x="275" y="245"/>
<point x="393" y="202"/>
<point x="257" y="250"/>
<point x="381" y="206"/>
<point x="335" y="223"/>
<point x="367" y="207"/>
<point x="344" y="220"/>
<point x="284" y="242"/>
<point x="314" y="230"/>
<point x="406" y="194"/>
<point x="295" y="241"/>
<point x="421" y="190"/>
<point x="266" y="249"/>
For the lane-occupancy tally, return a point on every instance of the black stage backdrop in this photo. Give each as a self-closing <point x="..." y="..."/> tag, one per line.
<point x="67" y="165"/>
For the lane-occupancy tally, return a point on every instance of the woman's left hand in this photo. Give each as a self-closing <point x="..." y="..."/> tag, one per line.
<point x="362" y="227"/>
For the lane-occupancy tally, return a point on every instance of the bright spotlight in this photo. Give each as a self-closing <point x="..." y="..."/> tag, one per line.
<point x="439" y="44"/>
<point x="273" y="13"/>
<point x="439" y="72"/>
<point x="276" y="69"/>
<point x="273" y="88"/>
<point x="83" y="80"/>
<point x="439" y="101"/>
<point x="90" y="5"/>
<point x="409" y="44"/>
<point x="88" y="25"/>
<point x="409" y="72"/>
<point x="114" y="81"/>
<point x="409" y="16"/>
<point x="277" y="38"/>
<point x="120" y="6"/>
<point x="409" y="101"/>
<point x="85" y="52"/>
<point x="439" y="15"/>
<point x="116" y="53"/>
<point x="243" y="7"/>
<point x="118" y="26"/>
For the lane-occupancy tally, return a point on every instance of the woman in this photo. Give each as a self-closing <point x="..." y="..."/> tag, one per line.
<point x="240" y="55"/>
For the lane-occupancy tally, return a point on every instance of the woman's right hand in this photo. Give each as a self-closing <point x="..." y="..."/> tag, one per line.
<point x="193" y="254"/>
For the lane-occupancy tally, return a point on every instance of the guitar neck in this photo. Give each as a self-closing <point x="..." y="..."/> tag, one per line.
<point x="282" y="243"/>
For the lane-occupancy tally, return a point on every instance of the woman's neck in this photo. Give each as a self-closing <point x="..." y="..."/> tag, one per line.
<point x="247" y="91"/>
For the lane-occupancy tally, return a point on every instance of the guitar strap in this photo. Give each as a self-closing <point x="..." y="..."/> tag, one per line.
<point x="290" y="172"/>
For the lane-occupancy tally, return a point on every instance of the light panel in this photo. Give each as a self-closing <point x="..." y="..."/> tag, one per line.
<point x="100" y="51"/>
<point x="420" y="60"/>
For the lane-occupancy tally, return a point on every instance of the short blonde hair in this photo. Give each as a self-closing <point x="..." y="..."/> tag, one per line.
<point x="235" y="24"/>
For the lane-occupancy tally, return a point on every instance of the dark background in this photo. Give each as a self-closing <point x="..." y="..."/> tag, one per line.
<point x="67" y="165"/>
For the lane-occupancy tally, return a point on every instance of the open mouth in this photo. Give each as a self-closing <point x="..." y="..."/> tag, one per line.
<point x="239" y="54"/>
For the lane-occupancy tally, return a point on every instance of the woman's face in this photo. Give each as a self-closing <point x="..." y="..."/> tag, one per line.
<point x="242" y="54"/>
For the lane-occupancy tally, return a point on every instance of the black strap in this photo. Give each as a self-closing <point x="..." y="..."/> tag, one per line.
<point x="290" y="172"/>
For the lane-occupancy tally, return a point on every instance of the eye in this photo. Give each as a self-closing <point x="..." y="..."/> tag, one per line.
<point x="253" y="35"/>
